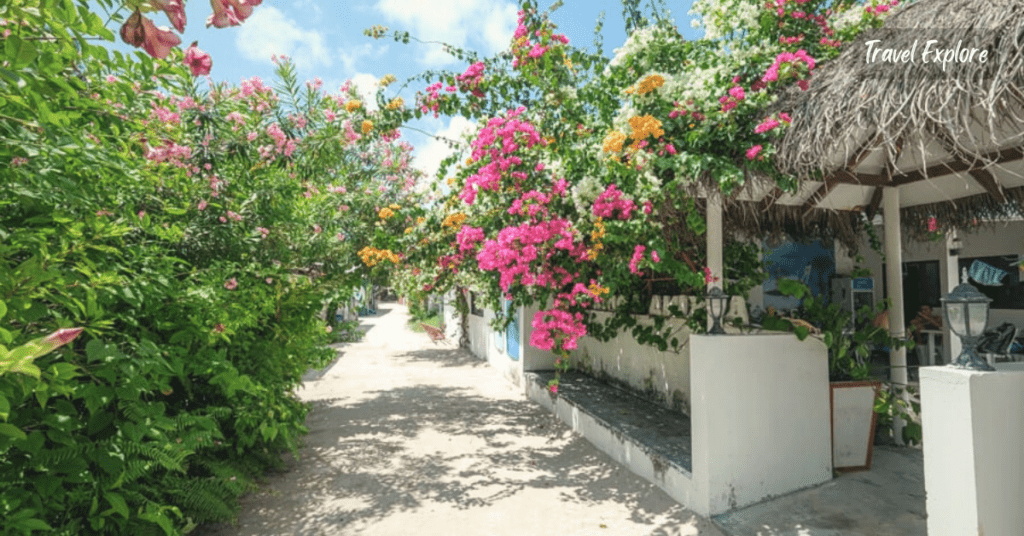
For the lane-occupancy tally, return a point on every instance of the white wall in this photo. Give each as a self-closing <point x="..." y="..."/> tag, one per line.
<point x="760" y="418"/>
<point x="662" y="376"/>
<point x="973" y="450"/>
<point x="1005" y="238"/>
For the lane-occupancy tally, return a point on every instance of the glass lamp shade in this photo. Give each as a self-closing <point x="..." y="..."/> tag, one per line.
<point x="966" y="312"/>
<point x="717" y="302"/>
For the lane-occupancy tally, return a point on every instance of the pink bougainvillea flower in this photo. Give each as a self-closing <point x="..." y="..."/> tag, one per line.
<point x="317" y="229"/>
<point x="142" y="214"/>
<point x="340" y="236"/>
<point x="933" y="224"/>
<point x="263" y="231"/>
<point x="753" y="152"/>
<point x="553" y="388"/>
<point x="708" y="278"/>
<point x="231" y="284"/>
<point x="198" y="61"/>
<point x="634" y="263"/>
<point x="654" y="256"/>
<point x="202" y="205"/>
<point x="175" y="10"/>
<point x="269" y="280"/>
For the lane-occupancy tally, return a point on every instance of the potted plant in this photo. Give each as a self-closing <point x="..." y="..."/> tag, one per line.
<point x="853" y="390"/>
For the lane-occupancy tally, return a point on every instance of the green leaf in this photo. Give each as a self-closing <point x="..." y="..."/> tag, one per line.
<point x="801" y="332"/>
<point x="5" y="407"/>
<point x="19" y="52"/>
<point x="3" y="306"/>
<point x="118" y="504"/>
<point x="10" y="430"/>
<point x="33" y="524"/>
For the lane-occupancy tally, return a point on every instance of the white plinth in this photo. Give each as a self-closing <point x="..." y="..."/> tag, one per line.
<point x="973" y="426"/>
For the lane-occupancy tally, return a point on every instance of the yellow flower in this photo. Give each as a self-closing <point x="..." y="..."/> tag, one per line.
<point x="372" y="256"/>
<point x="394" y="206"/>
<point x="385" y="213"/>
<point x="352" y="105"/>
<point x="408" y="230"/>
<point x="454" y="220"/>
<point x="420" y="220"/>
<point x="650" y="83"/>
<point x="598" y="232"/>
<point x="469" y="161"/>
<point x="613" y="141"/>
<point x="367" y="127"/>
<point x="396" y="104"/>
<point x="644" y="126"/>
<point x="387" y="80"/>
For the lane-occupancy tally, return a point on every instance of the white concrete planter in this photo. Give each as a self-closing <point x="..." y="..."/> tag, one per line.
<point x="853" y="424"/>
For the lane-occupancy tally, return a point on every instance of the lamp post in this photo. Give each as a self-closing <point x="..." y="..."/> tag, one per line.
<point x="717" y="302"/>
<point x="966" y="312"/>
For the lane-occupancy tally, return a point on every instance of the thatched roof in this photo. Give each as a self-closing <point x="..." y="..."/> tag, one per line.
<point x="951" y="140"/>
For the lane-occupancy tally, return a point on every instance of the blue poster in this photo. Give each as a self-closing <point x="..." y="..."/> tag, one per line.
<point x="813" y="263"/>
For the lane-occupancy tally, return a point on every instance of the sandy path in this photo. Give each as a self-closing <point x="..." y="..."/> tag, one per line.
<point x="409" y="437"/>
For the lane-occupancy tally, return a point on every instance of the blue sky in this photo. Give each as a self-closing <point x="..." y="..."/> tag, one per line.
<point x="325" y="39"/>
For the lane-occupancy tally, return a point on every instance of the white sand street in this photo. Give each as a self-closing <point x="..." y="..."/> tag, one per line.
<point x="408" y="436"/>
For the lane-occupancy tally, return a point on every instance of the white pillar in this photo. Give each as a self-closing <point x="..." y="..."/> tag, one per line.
<point x="844" y="262"/>
<point x="950" y="273"/>
<point x="714" y="246"/>
<point x="894" y="288"/>
<point x="973" y="466"/>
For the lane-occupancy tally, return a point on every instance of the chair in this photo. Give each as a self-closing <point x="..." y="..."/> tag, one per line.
<point x="996" y="343"/>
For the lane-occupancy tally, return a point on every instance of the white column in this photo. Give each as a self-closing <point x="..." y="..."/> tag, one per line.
<point x="949" y="271"/>
<point x="894" y="288"/>
<point x="973" y="467"/>
<point x="844" y="262"/>
<point x="714" y="246"/>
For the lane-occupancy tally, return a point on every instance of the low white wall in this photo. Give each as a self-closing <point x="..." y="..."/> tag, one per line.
<point x="760" y="418"/>
<point x="661" y="376"/>
<point x="973" y="450"/>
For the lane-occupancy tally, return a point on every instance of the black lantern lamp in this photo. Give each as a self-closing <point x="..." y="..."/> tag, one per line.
<point x="966" y="312"/>
<point x="718" y="302"/>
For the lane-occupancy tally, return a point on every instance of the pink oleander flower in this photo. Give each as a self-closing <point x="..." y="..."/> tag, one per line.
<point x="317" y="229"/>
<point x="223" y="219"/>
<point x="142" y="214"/>
<point x="933" y="224"/>
<point x="340" y="236"/>
<point x="202" y="205"/>
<point x="175" y="10"/>
<point x="737" y="93"/>
<point x="654" y="256"/>
<point x="263" y="231"/>
<point x="231" y="284"/>
<point x="670" y="148"/>
<point x="198" y="61"/>
<point x="132" y="31"/>
<point x="269" y="280"/>
<point x="753" y="152"/>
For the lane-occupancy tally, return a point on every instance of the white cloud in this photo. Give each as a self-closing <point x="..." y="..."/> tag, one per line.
<point x="430" y="154"/>
<point x="268" y="32"/>
<point x="366" y="87"/>
<point x="485" y="25"/>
